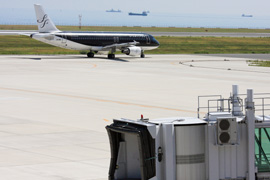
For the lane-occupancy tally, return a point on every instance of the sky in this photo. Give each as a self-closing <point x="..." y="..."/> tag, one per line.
<point x="224" y="7"/>
<point x="64" y="11"/>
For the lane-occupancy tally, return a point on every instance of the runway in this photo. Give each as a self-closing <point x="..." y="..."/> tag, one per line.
<point x="54" y="109"/>
<point x="209" y="34"/>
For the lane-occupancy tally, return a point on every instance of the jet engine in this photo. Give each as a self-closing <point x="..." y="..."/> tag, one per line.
<point x="132" y="51"/>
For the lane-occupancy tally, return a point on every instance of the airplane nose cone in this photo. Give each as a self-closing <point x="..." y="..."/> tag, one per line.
<point x="156" y="43"/>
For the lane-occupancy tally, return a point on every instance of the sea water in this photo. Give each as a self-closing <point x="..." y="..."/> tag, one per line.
<point x="102" y="18"/>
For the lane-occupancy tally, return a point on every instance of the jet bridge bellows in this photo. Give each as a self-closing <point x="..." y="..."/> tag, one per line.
<point x="127" y="138"/>
<point x="231" y="142"/>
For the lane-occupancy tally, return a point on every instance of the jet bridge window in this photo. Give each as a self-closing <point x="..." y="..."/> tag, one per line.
<point x="262" y="149"/>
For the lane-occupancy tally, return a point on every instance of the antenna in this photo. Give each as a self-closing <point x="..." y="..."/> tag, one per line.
<point x="80" y="21"/>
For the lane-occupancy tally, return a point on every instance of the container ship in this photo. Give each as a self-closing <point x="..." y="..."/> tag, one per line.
<point x="245" y="15"/>
<point x="144" y="13"/>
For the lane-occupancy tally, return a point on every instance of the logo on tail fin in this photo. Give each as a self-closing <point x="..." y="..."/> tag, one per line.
<point x="44" y="21"/>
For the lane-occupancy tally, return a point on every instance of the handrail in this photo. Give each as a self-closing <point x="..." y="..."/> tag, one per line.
<point x="205" y="96"/>
<point x="262" y="106"/>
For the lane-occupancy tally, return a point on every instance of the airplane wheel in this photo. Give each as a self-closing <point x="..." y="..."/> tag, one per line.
<point x="142" y="55"/>
<point x="111" y="56"/>
<point x="90" y="55"/>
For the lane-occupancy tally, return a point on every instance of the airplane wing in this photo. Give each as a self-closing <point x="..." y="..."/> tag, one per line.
<point x="10" y="32"/>
<point x="121" y="45"/>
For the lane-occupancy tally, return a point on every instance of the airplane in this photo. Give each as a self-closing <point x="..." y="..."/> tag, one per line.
<point x="132" y="44"/>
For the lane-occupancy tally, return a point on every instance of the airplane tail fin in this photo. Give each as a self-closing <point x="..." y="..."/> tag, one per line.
<point x="44" y="22"/>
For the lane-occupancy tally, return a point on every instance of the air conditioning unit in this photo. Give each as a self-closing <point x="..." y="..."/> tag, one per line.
<point x="227" y="130"/>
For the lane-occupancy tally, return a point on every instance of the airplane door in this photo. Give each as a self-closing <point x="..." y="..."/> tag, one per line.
<point x="147" y="40"/>
<point x="116" y="39"/>
<point x="64" y="39"/>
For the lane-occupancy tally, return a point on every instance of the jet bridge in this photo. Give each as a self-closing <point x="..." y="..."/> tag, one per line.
<point x="232" y="142"/>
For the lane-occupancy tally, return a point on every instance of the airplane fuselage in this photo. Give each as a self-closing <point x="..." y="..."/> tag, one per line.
<point x="96" y="41"/>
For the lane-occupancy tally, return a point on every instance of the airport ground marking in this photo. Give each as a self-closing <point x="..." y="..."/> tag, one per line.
<point x="93" y="65"/>
<point x="174" y="63"/>
<point x="106" y="120"/>
<point x="98" y="100"/>
<point x="189" y="64"/>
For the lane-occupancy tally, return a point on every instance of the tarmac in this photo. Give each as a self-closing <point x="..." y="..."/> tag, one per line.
<point x="54" y="109"/>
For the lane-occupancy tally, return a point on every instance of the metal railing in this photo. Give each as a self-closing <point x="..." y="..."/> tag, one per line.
<point x="218" y="105"/>
<point x="262" y="104"/>
<point x="205" y="106"/>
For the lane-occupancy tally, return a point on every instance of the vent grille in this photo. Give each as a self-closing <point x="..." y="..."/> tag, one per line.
<point x="226" y="130"/>
<point x="190" y="159"/>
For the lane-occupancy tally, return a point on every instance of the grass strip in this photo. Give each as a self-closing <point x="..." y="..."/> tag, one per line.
<point x="259" y="63"/>
<point x="168" y="45"/>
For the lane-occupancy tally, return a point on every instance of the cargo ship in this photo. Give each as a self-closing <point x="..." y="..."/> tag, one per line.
<point x="244" y="15"/>
<point x="144" y="13"/>
<point x="112" y="10"/>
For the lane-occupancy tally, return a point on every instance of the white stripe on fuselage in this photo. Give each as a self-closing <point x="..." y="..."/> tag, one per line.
<point x="100" y="34"/>
<point x="60" y="42"/>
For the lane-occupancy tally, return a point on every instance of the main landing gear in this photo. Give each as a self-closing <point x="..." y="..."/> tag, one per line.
<point x="111" y="56"/>
<point x="90" y="54"/>
<point x="142" y="54"/>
